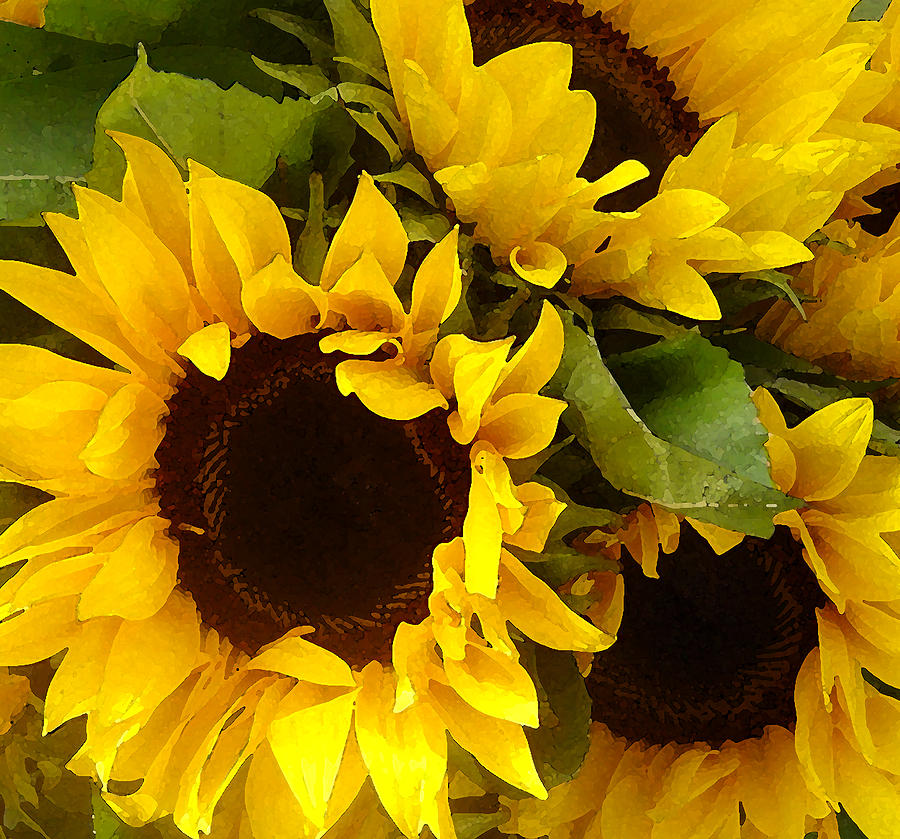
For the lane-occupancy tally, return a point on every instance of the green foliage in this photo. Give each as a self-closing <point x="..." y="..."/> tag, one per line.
<point x="48" y="121"/>
<point x="119" y="22"/>
<point x="354" y="37"/>
<point x="847" y="827"/>
<point x="692" y="394"/>
<point x="638" y="462"/>
<point x="107" y="825"/>
<point x="236" y="132"/>
<point x="474" y="825"/>
<point x="26" y="52"/>
<point x="561" y="741"/>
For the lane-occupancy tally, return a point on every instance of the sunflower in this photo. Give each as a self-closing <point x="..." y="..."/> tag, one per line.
<point x="237" y="555"/>
<point x="26" y="12"/>
<point x="638" y="190"/>
<point x="852" y="318"/>
<point x="739" y="699"/>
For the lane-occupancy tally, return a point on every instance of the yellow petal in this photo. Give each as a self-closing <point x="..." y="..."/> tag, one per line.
<point x="279" y="301"/>
<point x="521" y="424"/>
<point x="542" y="511"/>
<point x="38" y="633"/>
<point x="372" y="225"/>
<point x="437" y="285"/>
<point x="482" y="535"/>
<point x="860" y="561"/>
<point x="136" y="577"/>
<point x="450" y="350"/>
<point x="355" y="343"/>
<point x="769" y="413"/>
<point x="474" y="379"/>
<point x="309" y="745"/>
<point x="494" y="684"/>
<point x="829" y="447"/>
<point x="303" y="660"/>
<point x="139" y="272"/>
<point x="387" y="389"/>
<point x="539" y="263"/>
<point x="782" y="463"/>
<point x="680" y="289"/>
<point x="719" y="539"/>
<point x="44" y="431"/>
<point x="166" y="644"/>
<point x="215" y="271"/>
<point x="273" y="810"/>
<point x="533" y="365"/>
<point x="49" y="578"/>
<point x="536" y="610"/>
<point x="128" y="433"/>
<point x="153" y="190"/>
<point x="793" y="519"/>
<point x="405" y="753"/>
<point x="74" y="306"/>
<point x="77" y="681"/>
<point x="209" y="349"/>
<point x="771" y="788"/>
<point x="64" y="523"/>
<point x="365" y="296"/>
<point x="247" y="221"/>
<point x="498" y="745"/>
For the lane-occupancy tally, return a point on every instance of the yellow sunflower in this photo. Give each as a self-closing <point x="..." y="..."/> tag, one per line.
<point x="26" y="12"/>
<point x="853" y="319"/>
<point x="237" y="557"/>
<point x="527" y="159"/>
<point x="738" y="700"/>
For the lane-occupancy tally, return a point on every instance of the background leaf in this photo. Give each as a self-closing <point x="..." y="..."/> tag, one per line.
<point x="639" y="463"/>
<point x="692" y="394"/>
<point x="236" y="132"/>
<point x="47" y="136"/>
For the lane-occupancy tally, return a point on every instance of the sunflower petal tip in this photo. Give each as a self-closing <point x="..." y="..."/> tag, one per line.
<point x="209" y="349"/>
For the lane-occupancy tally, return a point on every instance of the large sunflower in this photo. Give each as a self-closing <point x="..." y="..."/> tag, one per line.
<point x="238" y="555"/>
<point x="738" y="700"/>
<point x="737" y="176"/>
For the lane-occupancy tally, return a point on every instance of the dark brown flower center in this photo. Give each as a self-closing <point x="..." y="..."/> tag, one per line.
<point x="710" y="651"/>
<point x="638" y="115"/>
<point x="294" y="505"/>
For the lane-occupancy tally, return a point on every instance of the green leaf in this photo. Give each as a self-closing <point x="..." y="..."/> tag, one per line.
<point x="311" y="248"/>
<point x="354" y="36"/>
<point x="312" y="33"/>
<point x="48" y="127"/>
<point x="380" y="76"/>
<point x="372" y="125"/>
<point x="620" y="316"/>
<point x="107" y="825"/>
<point x="692" y="394"/>
<point x="378" y="101"/>
<point x="120" y="22"/>
<point x="639" y="463"/>
<point x="847" y="828"/>
<point x="473" y="825"/>
<point x="422" y="225"/>
<point x="781" y="281"/>
<point x="25" y="52"/>
<point x="561" y="742"/>
<point x="220" y="64"/>
<point x="237" y="133"/>
<point x="751" y="351"/>
<point x="411" y="178"/>
<point x="307" y="78"/>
